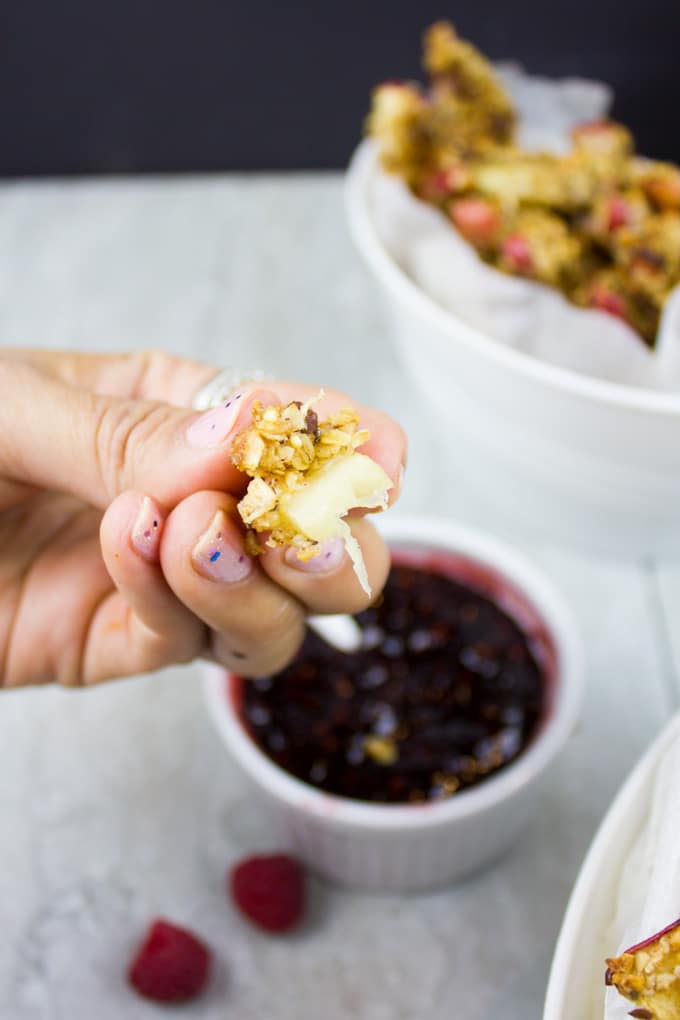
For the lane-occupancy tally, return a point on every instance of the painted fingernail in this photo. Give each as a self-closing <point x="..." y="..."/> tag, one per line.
<point x="146" y="531"/>
<point x="214" y="426"/>
<point x="218" y="554"/>
<point x="329" y="558"/>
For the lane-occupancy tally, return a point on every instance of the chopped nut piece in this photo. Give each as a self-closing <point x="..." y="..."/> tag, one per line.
<point x="258" y="500"/>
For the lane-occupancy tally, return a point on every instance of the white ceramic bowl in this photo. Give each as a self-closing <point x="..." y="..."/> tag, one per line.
<point x="417" y="846"/>
<point x="576" y="985"/>
<point x="581" y="460"/>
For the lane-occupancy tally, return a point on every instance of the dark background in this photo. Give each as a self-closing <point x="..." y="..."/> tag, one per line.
<point x="88" y="86"/>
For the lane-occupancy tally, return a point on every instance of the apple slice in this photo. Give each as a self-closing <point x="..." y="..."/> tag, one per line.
<point x="317" y="510"/>
<point x="648" y="975"/>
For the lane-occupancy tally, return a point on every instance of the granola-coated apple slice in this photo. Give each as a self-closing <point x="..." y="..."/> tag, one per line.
<point x="306" y="475"/>
<point x="648" y="975"/>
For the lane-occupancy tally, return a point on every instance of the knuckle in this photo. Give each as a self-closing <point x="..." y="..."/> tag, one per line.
<point x="263" y="648"/>
<point x="149" y="364"/>
<point x="266" y="658"/>
<point x="281" y="620"/>
<point x="157" y="653"/>
<point x="157" y="372"/>
<point x="121" y="432"/>
<point x="139" y="362"/>
<point x="18" y="388"/>
<point x="271" y="664"/>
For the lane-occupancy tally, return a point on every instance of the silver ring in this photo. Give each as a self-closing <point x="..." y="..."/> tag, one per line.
<point x="218" y="389"/>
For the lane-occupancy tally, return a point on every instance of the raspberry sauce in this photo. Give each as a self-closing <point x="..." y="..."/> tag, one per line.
<point x="452" y="682"/>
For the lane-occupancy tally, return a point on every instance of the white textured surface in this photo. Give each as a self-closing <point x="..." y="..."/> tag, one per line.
<point x="119" y="804"/>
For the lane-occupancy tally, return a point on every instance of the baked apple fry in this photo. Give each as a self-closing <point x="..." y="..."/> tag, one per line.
<point x="648" y="975"/>
<point x="598" y="223"/>
<point x="306" y="475"/>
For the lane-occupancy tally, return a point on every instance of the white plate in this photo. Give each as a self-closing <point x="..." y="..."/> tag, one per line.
<point x="576" y="986"/>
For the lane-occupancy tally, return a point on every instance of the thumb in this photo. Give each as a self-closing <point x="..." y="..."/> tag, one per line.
<point x="67" y="439"/>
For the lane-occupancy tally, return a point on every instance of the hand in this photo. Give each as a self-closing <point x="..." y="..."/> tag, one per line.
<point x="115" y="498"/>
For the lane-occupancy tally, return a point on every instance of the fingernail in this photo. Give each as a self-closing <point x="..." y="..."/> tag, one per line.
<point x="329" y="558"/>
<point x="219" y="555"/>
<point x="146" y="531"/>
<point x="214" y="426"/>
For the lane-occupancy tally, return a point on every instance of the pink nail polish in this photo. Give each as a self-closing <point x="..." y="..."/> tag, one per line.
<point x="329" y="558"/>
<point x="146" y="531"/>
<point x="214" y="426"/>
<point x="218" y="554"/>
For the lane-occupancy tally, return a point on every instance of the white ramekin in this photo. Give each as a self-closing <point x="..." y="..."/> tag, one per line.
<point x="416" y="846"/>
<point x="581" y="460"/>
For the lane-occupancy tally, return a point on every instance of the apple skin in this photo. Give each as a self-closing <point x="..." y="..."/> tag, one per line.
<point x="654" y="938"/>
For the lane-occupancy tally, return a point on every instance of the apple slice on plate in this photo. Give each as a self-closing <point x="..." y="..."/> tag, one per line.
<point x="648" y="974"/>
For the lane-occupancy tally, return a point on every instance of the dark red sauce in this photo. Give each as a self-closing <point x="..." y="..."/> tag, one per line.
<point x="451" y="684"/>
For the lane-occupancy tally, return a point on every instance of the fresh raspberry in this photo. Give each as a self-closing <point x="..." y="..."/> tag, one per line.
<point x="171" y="964"/>
<point x="477" y="219"/>
<point x="270" y="891"/>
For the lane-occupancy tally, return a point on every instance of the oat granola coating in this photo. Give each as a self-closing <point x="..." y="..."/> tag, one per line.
<point x="458" y="71"/>
<point x="283" y="449"/>
<point x="550" y="252"/>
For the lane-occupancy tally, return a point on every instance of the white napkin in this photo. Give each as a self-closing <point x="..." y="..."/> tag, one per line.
<point x="528" y="316"/>
<point x="649" y="890"/>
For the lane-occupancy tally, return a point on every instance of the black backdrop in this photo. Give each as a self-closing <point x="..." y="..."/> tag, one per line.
<point x="192" y="85"/>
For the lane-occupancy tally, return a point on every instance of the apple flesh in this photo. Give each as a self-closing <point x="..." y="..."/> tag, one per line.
<point x="318" y="510"/>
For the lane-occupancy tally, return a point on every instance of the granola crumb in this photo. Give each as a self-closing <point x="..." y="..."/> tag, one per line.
<point x="383" y="750"/>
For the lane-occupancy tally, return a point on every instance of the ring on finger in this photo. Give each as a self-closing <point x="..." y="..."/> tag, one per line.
<point x="222" y="384"/>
